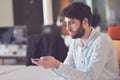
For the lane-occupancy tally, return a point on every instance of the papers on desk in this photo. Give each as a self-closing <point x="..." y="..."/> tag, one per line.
<point x="30" y="73"/>
<point x="12" y="49"/>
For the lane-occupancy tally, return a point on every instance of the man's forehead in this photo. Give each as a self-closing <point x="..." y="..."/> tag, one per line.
<point x="68" y="19"/>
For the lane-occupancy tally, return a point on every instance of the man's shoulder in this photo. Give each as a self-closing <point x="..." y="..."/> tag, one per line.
<point x="102" y="35"/>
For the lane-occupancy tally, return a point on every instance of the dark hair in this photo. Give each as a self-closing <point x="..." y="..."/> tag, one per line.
<point x="77" y="10"/>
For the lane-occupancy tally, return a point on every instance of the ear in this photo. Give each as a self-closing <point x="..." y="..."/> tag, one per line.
<point x="85" y="21"/>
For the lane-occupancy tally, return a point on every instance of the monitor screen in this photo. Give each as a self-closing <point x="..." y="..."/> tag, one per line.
<point x="6" y="35"/>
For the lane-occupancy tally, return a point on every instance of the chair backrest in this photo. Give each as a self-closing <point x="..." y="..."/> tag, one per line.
<point x="45" y="44"/>
<point x="117" y="45"/>
<point x="114" y="32"/>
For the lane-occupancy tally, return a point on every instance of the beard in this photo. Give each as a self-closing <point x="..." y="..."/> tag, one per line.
<point x="80" y="32"/>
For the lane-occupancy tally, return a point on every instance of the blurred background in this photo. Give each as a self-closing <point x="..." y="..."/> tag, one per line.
<point x="22" y="19"/>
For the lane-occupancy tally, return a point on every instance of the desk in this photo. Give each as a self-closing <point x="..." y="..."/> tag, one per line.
<point x="12" y="52"/>
<point x="28" y="73"/>
<point x="17" y="57"/>
<point x="9" y="68"/>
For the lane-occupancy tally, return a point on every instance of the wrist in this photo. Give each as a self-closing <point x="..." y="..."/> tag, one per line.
<point x="57" y="65"/>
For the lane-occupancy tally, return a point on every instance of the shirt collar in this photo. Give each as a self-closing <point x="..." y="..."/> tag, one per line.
<point x="88" y="41"/>
<point x="92" y="34"/>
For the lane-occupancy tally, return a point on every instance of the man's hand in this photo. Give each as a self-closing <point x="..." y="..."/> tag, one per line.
<point x="47" y="62"/>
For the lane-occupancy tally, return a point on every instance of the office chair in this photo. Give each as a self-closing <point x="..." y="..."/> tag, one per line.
<point x="117" y="45"/>
<point x="45" y="44"/>
<point x="114" y="32"/>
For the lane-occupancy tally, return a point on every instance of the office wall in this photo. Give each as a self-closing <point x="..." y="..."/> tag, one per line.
<point x="6" y="13"/>
<point x="117" y="11"/>
<point x="101" y="6"/>
<point x="29" y="13"/>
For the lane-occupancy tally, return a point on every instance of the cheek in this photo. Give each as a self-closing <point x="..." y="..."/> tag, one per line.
<point x="76" y="27"/>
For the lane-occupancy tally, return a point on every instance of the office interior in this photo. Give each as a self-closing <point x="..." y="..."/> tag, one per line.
<point x="33" y="28"/>
<point x="21" y="19"/>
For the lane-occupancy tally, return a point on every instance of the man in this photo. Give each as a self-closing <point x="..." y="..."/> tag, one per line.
<point x="91" y="55"/>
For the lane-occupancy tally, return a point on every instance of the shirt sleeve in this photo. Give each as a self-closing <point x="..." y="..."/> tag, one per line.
<point x="99" y="59"/>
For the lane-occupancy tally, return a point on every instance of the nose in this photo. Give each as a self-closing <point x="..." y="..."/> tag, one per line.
<point x="68" y="27"/>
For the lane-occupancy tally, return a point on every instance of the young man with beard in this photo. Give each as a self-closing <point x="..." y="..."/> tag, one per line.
<point x="91" y="56"/>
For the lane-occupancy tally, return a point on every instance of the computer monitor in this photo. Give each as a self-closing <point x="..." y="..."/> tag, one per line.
<point x="6" y="35"/>
<point x="20" y="34"/>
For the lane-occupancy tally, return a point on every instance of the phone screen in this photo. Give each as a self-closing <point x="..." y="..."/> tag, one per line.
<point x="35" y="59"/>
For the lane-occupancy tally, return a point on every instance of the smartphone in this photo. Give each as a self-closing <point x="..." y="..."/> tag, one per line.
<point x="35" y="59"/>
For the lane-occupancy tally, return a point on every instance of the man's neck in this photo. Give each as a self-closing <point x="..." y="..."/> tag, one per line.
<point x="86" y="35"/>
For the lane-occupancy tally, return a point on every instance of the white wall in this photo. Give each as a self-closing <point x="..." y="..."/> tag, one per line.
<point x="6" y="13"/>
